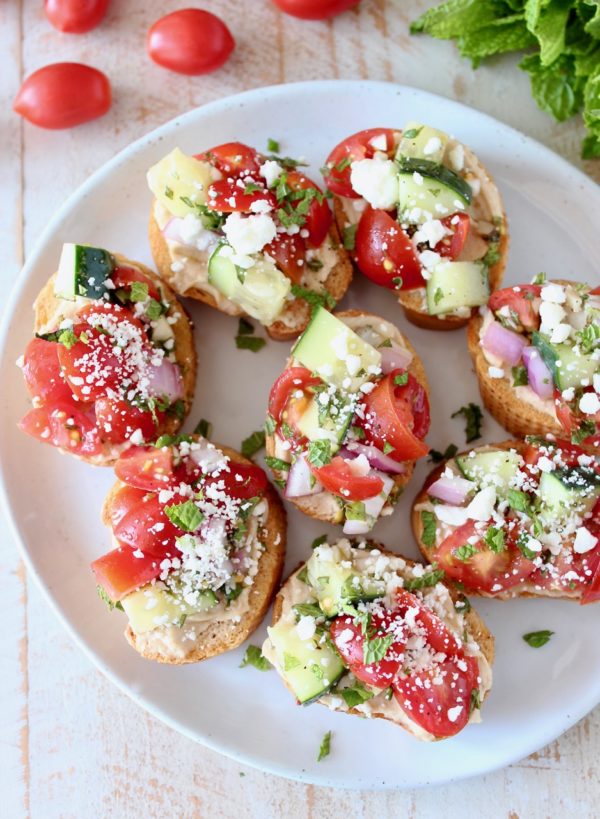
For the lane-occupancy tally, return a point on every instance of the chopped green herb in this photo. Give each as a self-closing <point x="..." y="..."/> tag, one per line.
<point x="387" y="342"/>
<point x="319" y="453"/>
<point x="589" y="338"/>
<point x="462" y="604"/>
<point x="185" y="516"/>
<point x="318" y="541"/>
<point x="254" y="657"/>
<point x="475" y="701"/>
<point x="522" y="542"/>
<point x="270" y="425"/>
<point x="203" y="428"/>
<point x="252" y="444"/>
<point x="358" y="432"/>
<point x="324" y="747"/>
<point x="585" y="429"/>
<point x="412" y="133"/>
<point x="234" y="593"/>
<point x="249" y="343"/>
<point x="139" y="291"/>
<point x="537" y="639"/>
<point x="397" y="281"/>
<point x="67" y="338"/>
<point x="539" y="279"/>
<point x="110" y="603"/>
<point x="473" y="417"/>
<point x="355" y="511"/>
<point x="314" y="264"/>
<point x="289" y="661"/>
<point x="273" y="146"/>
<point x="435" y="456"/>
<point x="375" y="648"/>
<point x="277" y="463"/>
<point x="349" y="237"/>
<point x="425" y="580"/>
<point x="429" y="524"/>
<point x="154" y="309"/>
<point x="494" y="539"/>
<point x="303" y="575"/>
<point x="245" y="327"/>
<point x="518" y="501"/>
<point x="401" y="379"/>
<point x="308" y="610"/>
<point x="465" y="552"/>
<point x="438" y="295"/>
<point x="520" y="378"/>
<point x="312" y="298"/>
<point x="355" y="694"/>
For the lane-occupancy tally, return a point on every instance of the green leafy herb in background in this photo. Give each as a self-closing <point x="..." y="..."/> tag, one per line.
<point x="561" y="36"/>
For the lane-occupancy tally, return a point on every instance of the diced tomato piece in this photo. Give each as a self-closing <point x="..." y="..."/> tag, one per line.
<point x="318" y="218"/>
<point x="348" y="638"/>
<point x="123" y="500"/>
<point x="520" y="301"/>
<point x="289" y="254"/>
<point x="233" y="159"/>
<point x="290" y="397"/>
<point x="337" y="477"/>
<point x="147" y="468"/>
<point x="228" y="195"/>
<point x="118" y="420"/>
<point x="362" y="145"/>
<point x="91" y="367"/>
<point x="452" y="245"/>
<point x="397" y="415"/>
<point x="64" y="424"/>
<point x="147" y="528"/>
<point x="119" y="573"/>
<point x="384" y="252"/>
<point x="41" y="370"/>
<point x="242" y="481"/>
<point x="485" y="570"/>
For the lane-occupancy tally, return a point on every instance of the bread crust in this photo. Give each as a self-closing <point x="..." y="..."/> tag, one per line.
<point x="410" y="300"/>
<point x="308" y="505"/>
<point x="428" y="552"/>
<point x="47" y="304"/>
<point x="336" y="283"/>
<point x="474" y="622"/>
<point x="225" y="635"/>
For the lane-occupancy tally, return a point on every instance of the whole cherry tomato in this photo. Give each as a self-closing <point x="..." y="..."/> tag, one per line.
<point x="62" y="95"/>
<point x="75" y="16"/>
<point x="190" y="41"/>
<point x="315" y="9"/>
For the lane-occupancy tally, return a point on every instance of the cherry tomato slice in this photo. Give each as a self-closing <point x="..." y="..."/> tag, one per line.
<point x="355" y="147"/>
<point x="119" y="573"/>
<point x="337" y="477"/>
<point x="118" y="420"/>
<point x="228" y="195"/>
<point x="147" y="529"/>
<point x="91" y="367"/>
<point x="315" y="9"/>
<point x="452" y="245"/>
<point x="348" y="638"/>
<point x="63" y="95"/>
<point x="570" y="418"/>
<point x="486" y="570"/>
<point x="64" y="424"/>
<point x="289" y="254"/>
<point x="592" y="592"/>
<point x="190" y="41"/>
<point x="397" y="415"/>
<point x="384" y="252"/>
<point x="519" y="300"/>
<point x="41" y="370"/>
<point x="318" y="219"/>
<point x="147" y="468"/>
<point x="292" y="379"/>
<point x="242" y="481"/>
<point x="233" y="159"/>
<point x="75" y="16"/>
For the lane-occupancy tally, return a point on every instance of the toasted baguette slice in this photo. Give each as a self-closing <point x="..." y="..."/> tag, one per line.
<point x="500" y="399"/>
<point x="473" y="623"/>
<point x="297" y="313"/>
<point x="48" y="306"/>
<point x="429" y="552"/>
<point x="220" y="635"/>
<point x="324" y="506"/>
<point x="412" y="301"/>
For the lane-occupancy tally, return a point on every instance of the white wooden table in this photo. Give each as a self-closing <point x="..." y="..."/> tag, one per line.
<point x="71" y="745"/>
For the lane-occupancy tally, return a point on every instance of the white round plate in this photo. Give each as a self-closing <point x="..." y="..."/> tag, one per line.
<point x="54" y="501"/>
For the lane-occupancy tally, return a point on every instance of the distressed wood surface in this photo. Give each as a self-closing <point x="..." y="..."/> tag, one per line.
<point x="71" y="745"/>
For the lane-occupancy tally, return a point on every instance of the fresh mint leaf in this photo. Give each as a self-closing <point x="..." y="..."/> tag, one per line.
<point x="436" y="457"/>
<point x="349" y="237"/>
<point x="203" y="428"/>
<point x="277" y="463"/>
<point x="319" y="453"/>
<point x="473" y="417"/>
<point x="186" y="516"/>
<point x="429" y="524"/>
<point x="252" y="343"/>
<point x="355" y="694"/>
<point x="313" y="298"/>
<point x="465" y="552"/>
<point x="254" y="657"/>
<point x="325" y="747"/>
<point x="375" y="648"/>
<point x="537" y="639"/>
<point x="253" y="443"/>
<point x="425" y="580"/>
<point x="494" y="539"/>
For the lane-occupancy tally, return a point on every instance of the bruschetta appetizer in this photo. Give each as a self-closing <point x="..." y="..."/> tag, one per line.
<point x="422" y="216"/>
<point x="248" y="234"/>
<point x="113" y="360"/>
<point x="199" y="542"/>
<point x="536" y="351"/>
<point x="371" y="633"/>
<point x="515" y="519"/>
<point x="347" y="419"/>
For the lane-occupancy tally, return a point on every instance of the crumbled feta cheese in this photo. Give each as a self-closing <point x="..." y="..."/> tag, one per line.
<point x="584" y="540"/>
<point x="432" y="232"/>
<point x="376" y="180"/>
<point x="249" y="234"/>
<point x="432" y="146"/>
<point x="551" y="315"/>
<point x="306" y="627"/>
<point x="554" y="293"/>
<point x="589" y="403"/>
<point x="457" y="157"/>
<point x="495" y="372"/>
<point x="560" y="333"/>
<point x="482" y="505"/>
<point x="269" y="171"/>
<point x="454" y="713"/>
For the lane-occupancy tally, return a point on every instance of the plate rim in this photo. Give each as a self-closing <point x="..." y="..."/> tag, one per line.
<point x="213" y="108"/>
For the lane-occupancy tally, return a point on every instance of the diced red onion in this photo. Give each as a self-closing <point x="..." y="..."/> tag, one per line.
<point x="375" y="457"/>
<point x="357" y="527"/>
<point x="165" y="380"/>
<point x="172" y="230"/>
<point x="451" y="490"/>
<point x="300" y="480"/>
<point x="373" y="506"/>
<point x="539" y="376"/>
<point x="503" y="343"/>
<point x="394" y="358"/>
